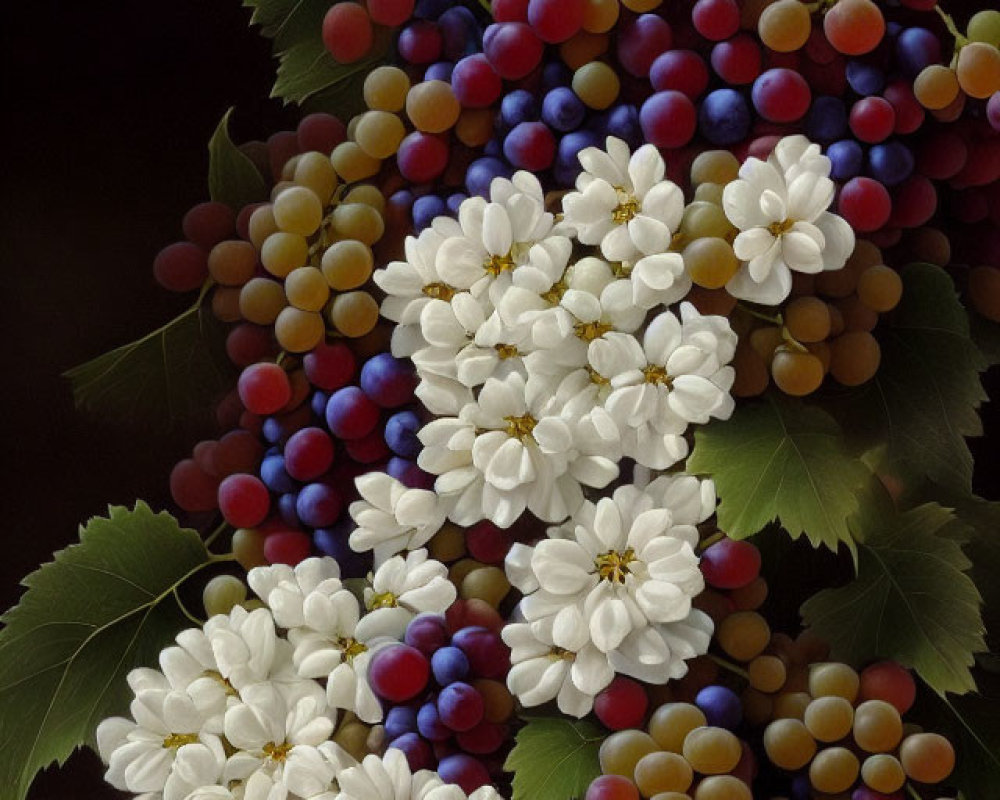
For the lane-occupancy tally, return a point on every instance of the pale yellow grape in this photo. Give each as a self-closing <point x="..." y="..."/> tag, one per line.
<point x="314" y="171"/>
<point x="791" y="705"/>
<point x="253" y="603"/>
<point x="712" y="751"/>
<point x="282" y="252"/>
<point x="788" y="744"/>
<point x="669" y="795"/>
<point x="352" y="163"/>
<point x="807" y="319"/>
<point x="352" y="126"/>
<point x="880" y="288"/>
<point x="936" y="87"/>
<point x="347" y="264"/>
<point x="432" y="107"/>
<point x="358" y="221"/>
<point x="354" y="314"/>
<point x="883" y="773"/>
<point x="833" y="678"/>
<point x="485" y="583"/>
<point x="767" y="673"/>
<point x="298" y="331"/>
<point x="582" y="48"/>
<point x="307" y="289"/>
<point x="288" y="168"/>
<point x="463" y="567"/>
<point x="709" y="193"/>
<point x="715" y="166"/>
<point x="385" y="88"/>
<point x="672" y="722"/>
<point x="600" y="16"/>
<point x="703" y="219"/>
<point x="232" y="262"/>
<point x="261" y="300"/>
<point x="927" y="757"/>
<point x="833" y="770"/>
<point x="367" y="194"/>
<point x="784" y="26"/>
<point x="710" y="261"/>
<point x="878" y="727"/>
<point x="353" y="737"/>
<point x="622" y="750"/>
<point x="262" y="225"/>
<point x="226" y="303"/>
<point x="222" y="594"/>
<point x="298" y="210"/>
<point x="743" y="635"/>
<point x="854" y="357"/>
<point x="722" y="787"/>
<point x="662" y="772"/>
<point x="978" y="69"/>
<point x="596" y="84"/>
<point x="829" y="719"/>
<point x="379" y="133"/>
<point x="475" y="126"/>
<point x="279" y="187"/>
<point x="984" y="26"/>
<point x="248" y="547"/>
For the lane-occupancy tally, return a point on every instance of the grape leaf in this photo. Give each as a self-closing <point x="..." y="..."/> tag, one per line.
<point x="923" y="401"/>
<point x="986" y="334"/>
<point x="307" y="68"/>
<point x="232" y="177"/>
<point x="982" y="521"/>
<point x="102" y="607"/>
<point x="287" y="22"/>
<point x="554" y="758"/>
<point x="165" y="381"/>
<point x="779" y="458"/>
<point x="912" y="600"/>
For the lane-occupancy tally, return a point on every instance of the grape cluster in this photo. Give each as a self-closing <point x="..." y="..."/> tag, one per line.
<point x="447" y="707"/>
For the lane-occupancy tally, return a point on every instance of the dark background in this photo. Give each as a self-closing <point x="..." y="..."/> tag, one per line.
<point x="109" y="107"/>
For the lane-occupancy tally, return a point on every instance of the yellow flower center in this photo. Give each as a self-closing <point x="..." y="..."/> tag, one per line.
<point x="176" y="740"/>
<point x="384" y="600"/>
<point x="520" y="427"/>
<point x="588" y="331"/>
<point x="597" y="377"/>
<point x="226" y="685"/>
<point x="776" y="229"/>
<point x="494" y="265"/>
<point x="439" y="291"/>
<point x="628" y="206"/>
<point x="506" y="351"/>
<point x="653" y="373"/>
<point x="277" y="752"/>
<point x="559" y="654"/>
<point x="614" y="566"/>
<point x="352" y="648"/>
<point x="554" y="295"/>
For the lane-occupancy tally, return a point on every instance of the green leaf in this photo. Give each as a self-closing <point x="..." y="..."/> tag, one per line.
<point x="912" y="600"/>
<point x="288" y="21"/>
<point x="982" y="520"/>
<point x="102" y="607"/>
<point x="307" y="69"/>
<point x="232" y="177"/>
<point x="781" y="459"/>
<point x="923" y="401"/>
<point x="165" y="381"/>
<point x="554" y="758"/>
<point x="986" y="334"/>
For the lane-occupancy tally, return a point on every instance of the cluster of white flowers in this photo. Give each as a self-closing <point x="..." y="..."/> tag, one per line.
<point x="239" y="712"/>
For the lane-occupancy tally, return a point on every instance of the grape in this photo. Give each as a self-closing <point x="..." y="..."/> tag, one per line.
<point x="298" y="331"/>
<point x="181" y="267"/>
<point x="622" y="704"/>
<point x="927" y="757"/>
<point x="833" y="770"/>
<point x="207" y="224"/>
<point x="833" y="679"/>
<point x="298" y="210"/>
<point x="398" y="672"/>
<point x="358" y="221"/>
<point x="600" y="16"/>
<point x="420" y="42"/>
<point x="329" y="366"/>
<point x="784" y="26"/>
<point x="354" y="314"/>
<point x="318" y="505"/>
<point x="498" y="703"/>
<point x="641" y="41"/>
<point x="880" y="288"/>
<point x="917" y="48"/>
<point x="487" y="654"/>
<point x="467" y="772"/>
<point x="562" y="110"/>
<point x="729" y="563"/>
<point x="513" y="49"/>
<point x="611" y="787"/>
<point x="555" y="20"/>
<point x="530" y="146"/>
<point x="984" y="26"/>
<point x="984" y="291"/>
<point x="459" y="704"/>
<point x="237" y="451"/>
<point x="489" y="584"/>
<point x="883" y="773"/>
<point x="264" y="388"/>
<point x="788" y="744"/>
<point x="854" y="27"/>
<point x="716" y="19"/>
<point x="909" y="112"/>
<point x="308" y="454"/>
<point x="890" y="163"/>
<point x="936" y="87"/>
<point x="720" y="705"/>
<point x="767" y="673"/>
<point x="262" y="225"/>
<point x="283" y="251"/>
<point x="829" y="719"/>
<point x="865" y="204"/>
<point x="621" y="751"/>
<point x="712" y="751"/>
<point x="724" y="118"/>
<point x="385" y="89"/>
<point x="352" y="163"/>
<point x="877" y="726"/>
<point x="319" y="132"/>
<point x="796" y="372"/>
<point x="475" y="83"/>
<point x="681" y="70"/>
<point x="449" y="664"/>
<point x="662" y="772"/>
<point x="388" y="381"/>
<point x="390" y="13"/>
<point x="781" y="95"/>
<point x="307" y="289"/>
<point x="671" y="722"/>
<point x="846" y="159"/>
<point x="286" y="547"/>
<point x="427" y="633"/>
<point x="808" y="319"/>
<point x="743" y="635"/>
<point x="827" y="119"/>
<point x="351" y="414"/>
<point x="978" y="69"/>
<point x="222" y="594"/>
<point x="347" y="32"/>
<point x="864" y="78"/>
<point x="722" y="787"/>
<point x="854" y="357"/>
<point x="872" y="119"/>
<point x="596" y="84"/>
<point x="668" y="119"/>
<point x="232" y="263"/>
<point x="248" y="547"/>
<point x="714" y="166"/>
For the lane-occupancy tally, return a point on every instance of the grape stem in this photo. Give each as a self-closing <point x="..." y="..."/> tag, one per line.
<point x="729" y="665"/>
<point x="775" y="320"/>
<point x="792" y="342"/>
<point x="215" y="534"/>
<point x="949" y="23"/>
<point x="707" y="542"/>
<point x="909" y="786"/>
<point x="184" y="610"/>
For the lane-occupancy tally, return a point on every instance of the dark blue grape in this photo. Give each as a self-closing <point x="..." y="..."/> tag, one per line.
<point x="401" y="434"/>
<point x="562" y="110"/>
<point x="623" y="122"/>
<point x="724" y="118"/>
<point x="460" y="33"/>
<point x="481" y="173"/>
<point x="439" y="71"/>
<point x="846" y="159"/>
<point x="400" y="720"/>
<point x="555" y="73"/>
<point x="826" y="120"/>
<point x="721" y="706"/>
<point x="409" y="474"/>
<point x="864" y="78"/>
<point x="430" y="725"/>
<point x="890" y="163"/>
<point x="449" y="664"/>
<point x="287" y="509"/>
<point x="426" y="208"/>
<point x="917" y="48"/>
<point x="275" y="476"/>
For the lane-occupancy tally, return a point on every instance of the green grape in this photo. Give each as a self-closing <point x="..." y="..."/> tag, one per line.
<point x="880" y="288"/>
<point x="298" y="210"/>
<point x="710" y="261"/>
<point x="379" y="133"/>
<point x="927" y="757"/>
<point x="662" y="772"/>
<point x="385" y="88"/>
<point x="315" y="172"/>
<point x="807" y="318"/>
<point x="878" y="727"/>
<point x="672" y="722"/>
<point x="262" y="225"/>
<point x="232" y="262"/>
<point x="347" y="264"/>
<point x="432" y="107"/>
<point x="722" y="787"/>
<point x="788" y="744"/>
<point x="883" y="773"/>
<point x="354" y="314"/>
<point x="791" y="705"/>
<point x="458" y="571"/>
<point x="834" y="678"/>
<point x="353" y="737"/>
<point x="248" y="547"/>
<point x="743" y="635"/>
<point x="280" y="186"/>
<point x="767" y="673"/>
<point x="833" y="770"/>
<point x="486" y="583"/>
<point x="621" y="751"/>
<point x="282" y="252"/>
<point x="307" y="289"/>
<point x="714" y="166"/>
<point x="261" y="300"/>
<point x="253" y="604"/>
<point x="709" y="193"/>
<point x="984" y="26"/>
<point x="829" y="719"/>
<point x="358" y="221"/>
<point x="222" y="593"/>
<point x="352" y="163"/>
<point x="367" y="194"/>
<point x="298" y="331"/>
<point x="703" y="219"/>
<point x="596" y="84"/>
<point x="712" y="751"/>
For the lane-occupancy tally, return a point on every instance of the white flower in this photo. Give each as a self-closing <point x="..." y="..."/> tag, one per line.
<point x="659" y="279"/>
<point x="626" y="559"/>
<point x="659" y="653"/>
<point x="402" y="588"/>
<point x="283" y="589"/>
<point x="623" y="203"/>
<point x="678" y="376"/>
<point x="553" y="658"/>
<point x="391" y="517"/>
<point x="779" y="206"/>
<point x="166" y="749"/>
<point x="390" y="778"/>
<point x="510" y="450"/>
<point x="245" y="646"/>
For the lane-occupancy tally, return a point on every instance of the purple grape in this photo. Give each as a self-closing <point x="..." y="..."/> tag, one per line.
<point x="488" y="656"/>
<point x="890" y="163"/>
<point x="426" y="208"/>
<point x="439" y="71"/>
<point x="418" y="753"/>
<point x="721" y="706"/>
<point x="401" y="434"/>
<point x="567" y="165"/>
<point x="449" y="664"/>
<point x="460" y="706"/>
<point x="409" y="474"/>
<point x="431" y="9"/>
<point x="388" y="381"/>
<point x="481" y="173"/>
<point x="864" y="78"/>
<point x="846" y="158"/>
<point x="318" y="403"/>
<point x="464" y="770"/>
<point x="333" y="542"/>
<point x="562" y="110"/>
<point x="624" y="122"/>
<point x="555" y="73"/>
<point x="530" y="146"/>
<point x="917" y="48"/>
<point x="275" y="476"/>
<point x="517" y="107"/>
<point x="400" y="720"/>
<point x="460" y="33"/>
<point x="827" y="119"/>
<point x="454" y="201"/>
<point x="724" y="118"/>
<point x="351" y="414"/>
<point x="430" y="724"/>
<point x="427" y="633"/>
<point x="318" y="505"/>
<point x="287" y="505"/>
